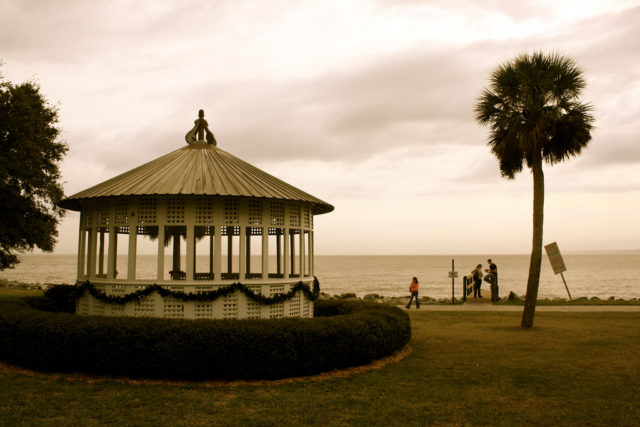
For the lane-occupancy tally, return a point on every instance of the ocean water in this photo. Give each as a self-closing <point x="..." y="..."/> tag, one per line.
<point x="601" y="275"/>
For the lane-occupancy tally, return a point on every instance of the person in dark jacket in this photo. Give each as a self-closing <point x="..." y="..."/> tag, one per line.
<point x="492" y="279"/>
<point x="476" y="275"/>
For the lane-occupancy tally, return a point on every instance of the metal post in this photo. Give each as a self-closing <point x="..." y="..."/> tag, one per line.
<point x="453" y="299"/>
<point x="464" y="288"/>
<point x="565" y="286"/>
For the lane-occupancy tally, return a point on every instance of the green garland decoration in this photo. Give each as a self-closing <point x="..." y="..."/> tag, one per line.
<point x="204" y="296"/>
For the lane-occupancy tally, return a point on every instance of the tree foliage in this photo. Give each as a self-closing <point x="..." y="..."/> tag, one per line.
<point x="30" y="183"/>
<point x="534" y="114"/>
<point x="533" y="111"/>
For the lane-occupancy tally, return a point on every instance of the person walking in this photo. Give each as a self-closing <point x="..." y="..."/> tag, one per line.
<point x="476" y="275"/>
<point x="413" y="288"/>
<point x="492" y="278"/>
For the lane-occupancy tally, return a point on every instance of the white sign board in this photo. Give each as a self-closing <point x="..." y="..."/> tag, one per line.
<point x="557" y="263"/>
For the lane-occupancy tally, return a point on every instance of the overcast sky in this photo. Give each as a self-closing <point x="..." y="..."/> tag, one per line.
<point x="367" y="105"/>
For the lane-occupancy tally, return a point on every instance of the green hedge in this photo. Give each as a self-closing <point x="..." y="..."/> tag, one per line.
<point x="344" y="333"/>
<point x="60" y="298"/>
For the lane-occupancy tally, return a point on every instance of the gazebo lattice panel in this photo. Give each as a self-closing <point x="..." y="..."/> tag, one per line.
<point x="175" y="210"/>
<point x="147" y="208"/>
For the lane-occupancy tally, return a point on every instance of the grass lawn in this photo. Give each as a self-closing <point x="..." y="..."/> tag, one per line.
<point x="465" y="368"/>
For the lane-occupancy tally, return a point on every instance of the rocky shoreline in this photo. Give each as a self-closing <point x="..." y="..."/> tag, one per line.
<point x="16" y="285"/>
<point x="387" y="299"/>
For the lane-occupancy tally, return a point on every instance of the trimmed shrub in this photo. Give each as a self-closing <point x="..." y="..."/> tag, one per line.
<point x="344" y="333"/>
<point x="62" y="299"/>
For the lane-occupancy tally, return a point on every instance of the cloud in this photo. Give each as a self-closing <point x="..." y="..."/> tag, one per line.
<point x="138" y="79"/>
<point x="412" y="97"/>
<point x="408" y="99"/>
<point x="367" y="105"/>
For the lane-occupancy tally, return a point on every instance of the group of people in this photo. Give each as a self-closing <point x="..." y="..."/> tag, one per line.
<point x="491" y="277"/>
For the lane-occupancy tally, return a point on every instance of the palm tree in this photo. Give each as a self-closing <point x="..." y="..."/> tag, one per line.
<point x="534" y="115"/>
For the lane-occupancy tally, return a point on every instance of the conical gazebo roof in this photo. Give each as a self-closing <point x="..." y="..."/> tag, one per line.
<point x="200" y="168"/>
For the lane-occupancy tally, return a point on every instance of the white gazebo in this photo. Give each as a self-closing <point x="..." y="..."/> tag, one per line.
<point x="211" y="221"/>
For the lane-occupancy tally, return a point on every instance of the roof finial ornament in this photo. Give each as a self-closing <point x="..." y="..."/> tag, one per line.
<point x="201" y="127"/>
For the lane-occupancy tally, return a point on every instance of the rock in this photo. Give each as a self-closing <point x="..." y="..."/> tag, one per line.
<point x="348" y="295"/>
<point x="371" y="297"/>
<point x="396" y="300"/>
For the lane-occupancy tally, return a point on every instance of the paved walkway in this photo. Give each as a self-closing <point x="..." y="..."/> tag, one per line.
<point x="491" y="307"/>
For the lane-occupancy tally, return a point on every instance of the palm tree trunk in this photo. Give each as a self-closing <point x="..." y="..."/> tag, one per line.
<point x="536" y="249"/>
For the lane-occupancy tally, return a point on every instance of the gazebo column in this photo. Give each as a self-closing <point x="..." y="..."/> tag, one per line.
<point x="292" y="249"/>
<point x="312" y="254"/>
<point x="265" y="253"/>
<point x="265" y="240"/>
<point x="217" y="269"/>
<point x="161" y="215"/>
<point x="195" y="252"/>
<point x="248" y="250"/>
<point x="81" y="251"/>
<point x="91" y="262"/>
<point x="211" y="231"/>
<point x="229" y="249"/>
<point x="113" y="250"/>
<point x="302" y="254"/>
<point x="190" y="222"/>
<point x="217" y="227"/>
<point x="287" y="260"/>
<point x="278" y="252"/>
<point x="191" y="249"/>
<point x="244" y="248"/>
<point x="161" y="233"/>
<point x="133" y="244"/>
<point x="175" y="267"/>
<point x="101" y="252"/>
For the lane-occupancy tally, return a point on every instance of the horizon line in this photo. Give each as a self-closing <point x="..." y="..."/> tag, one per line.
<point x="575" y="251"/>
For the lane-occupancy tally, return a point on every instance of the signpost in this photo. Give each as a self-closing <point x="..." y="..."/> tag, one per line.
<point x="453" y="274"/>
<point x="557" y="263"/>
